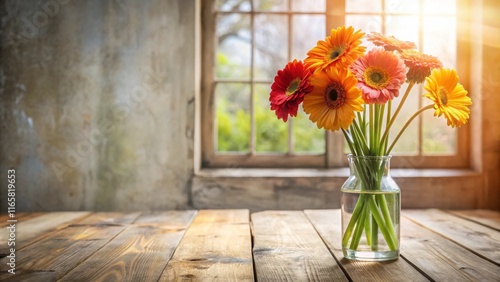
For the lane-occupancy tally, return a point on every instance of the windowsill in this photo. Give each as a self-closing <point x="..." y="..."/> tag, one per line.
<point x="320" y="173"/>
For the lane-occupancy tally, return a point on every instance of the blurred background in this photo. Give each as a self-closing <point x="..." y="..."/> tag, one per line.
<point x="150" y="105"/>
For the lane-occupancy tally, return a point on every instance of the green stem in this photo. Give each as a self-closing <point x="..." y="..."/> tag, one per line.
<point x="358" y="231"/>
<point x="390" y="237"/>
<point x="387" y="216"/>
<point x="428" y="107"/>
<point x="407" y="92"/>
<point x="372" y="129"/>
<point x="388" y="119"/>
<point x="374" y="234"/>
<point x="354" y="218"/>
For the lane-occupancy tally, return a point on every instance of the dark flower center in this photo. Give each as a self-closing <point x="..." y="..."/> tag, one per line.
<point x="443" y="96"/>
<point x="335" y="95"/>
<point x="336" y="52"/>
<point x="376" y="77"/>
<point x="293" y="86"/>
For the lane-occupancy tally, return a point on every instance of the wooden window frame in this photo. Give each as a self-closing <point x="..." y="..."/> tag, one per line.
<point x="332" y="158"/>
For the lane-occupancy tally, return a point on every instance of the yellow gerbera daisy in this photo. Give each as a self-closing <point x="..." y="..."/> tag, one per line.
<point x="334" y="99"/>
<point x="339" y="49"/>
<point x="449" y="97"/>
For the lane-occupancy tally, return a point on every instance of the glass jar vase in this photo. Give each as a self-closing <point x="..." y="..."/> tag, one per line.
<point x="370" y="201"/>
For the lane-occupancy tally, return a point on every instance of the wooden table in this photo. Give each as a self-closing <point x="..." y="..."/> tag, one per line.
<point x="232" y="245"/>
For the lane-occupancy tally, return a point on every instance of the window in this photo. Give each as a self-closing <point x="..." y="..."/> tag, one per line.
<point x="246" y="41"/>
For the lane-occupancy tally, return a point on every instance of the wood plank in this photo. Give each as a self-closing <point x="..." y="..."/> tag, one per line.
<point x="32" y="276"/>
<point x="217" y="246"/>
<point x="485" y="217"/>
<point x="477" y="238"/>
<point x="139" y="253"/>
<point x="57" y="254"/>
<point x="441" y="259"/>
<point x="328" y="225"/>
<point x="20" y="216"/>
<point x="287" y="248"/>
<point x="34" y="229"/>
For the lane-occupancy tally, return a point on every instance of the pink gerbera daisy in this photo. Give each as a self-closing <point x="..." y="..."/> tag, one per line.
<point x="380" y="74"/>
<point x="288" y="90"/>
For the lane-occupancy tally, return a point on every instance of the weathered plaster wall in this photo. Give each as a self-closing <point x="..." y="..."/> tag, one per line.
<point x="97" y="103"/>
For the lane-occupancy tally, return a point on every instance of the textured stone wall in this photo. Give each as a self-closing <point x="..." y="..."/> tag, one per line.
<point x="97" y="103"/>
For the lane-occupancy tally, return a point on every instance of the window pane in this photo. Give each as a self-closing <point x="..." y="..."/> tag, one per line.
<point x="366" y="23"/>
<point x="271" y="45"/>
<point x="440" y="39"/>
<point x="234" y="46"/>
<point x="439" y="139"/>
<point x="373" y="6"/>
<point x="408" y="142"/>
<point x="308" y="138"/>
<point x="271" y="133"/>
<point x="308" y="5"/>
<point x="233" y="5"/>
<point x="402" y="6"/>
<point x="448" y="7"/>
<point x="307" y="31"/>
<point x="233" y="117"/>
<point x="404" y="28"/>
<point x="270" y="5"/>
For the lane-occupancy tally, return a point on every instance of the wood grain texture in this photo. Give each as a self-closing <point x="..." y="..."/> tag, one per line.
<point x="485" y="217"/>
<point x="63" y="250"/>
<point x="477" y="238"/>
<point x="216" y="247"/>
<point x="441" y="259"/>
<point x="328" y="225"/>
<point x="287" y="248"/>
<point x="34" y="229"/>
<point x="139" y="253"/>
<point x="20" y="216"/>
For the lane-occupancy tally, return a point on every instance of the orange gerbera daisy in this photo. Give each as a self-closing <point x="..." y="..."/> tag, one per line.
<point x="288" y="90"/>
<point x="380" y="74"/>
<point x="449" y="97"/>
<point x="334" y="99"/>
<point x="339" y="49"/>
<point x="390" y="43"/>
<point x="419" y="64"/>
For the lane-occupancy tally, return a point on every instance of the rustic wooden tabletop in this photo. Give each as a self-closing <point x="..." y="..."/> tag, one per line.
<point x="233" y="245"/>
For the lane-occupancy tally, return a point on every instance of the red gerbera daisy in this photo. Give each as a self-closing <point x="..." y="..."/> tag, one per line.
<point x="288" y="90"/>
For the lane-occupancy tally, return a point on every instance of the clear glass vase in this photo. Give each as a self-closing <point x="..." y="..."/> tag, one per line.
<point x="371" y="208"/>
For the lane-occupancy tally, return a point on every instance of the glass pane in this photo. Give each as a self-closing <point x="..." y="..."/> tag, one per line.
<point x="367" y="24"/>
<point x="233" y="117"/>
<point x="308" y="138"/>
<point x="270" y="5"/>
<point x="234" y="46"/>
<point x="408" y="142"/>
<point x="402" y="6"/>
<point x="271" y="45"/>
<point x="439" y="139"/>
<point x="308" y="5"/>
<point x="373" y="6"/>
<point x="271" y="133"/>
<point x="404" y="28"/>
<point x="440" y="39"/>
<point x="307" y="30"/>
<point x="233" y="5"/>
<point x="447" y="7"/>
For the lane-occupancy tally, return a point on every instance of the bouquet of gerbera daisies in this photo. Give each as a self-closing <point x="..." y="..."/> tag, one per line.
<point x="344" y="87"/>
